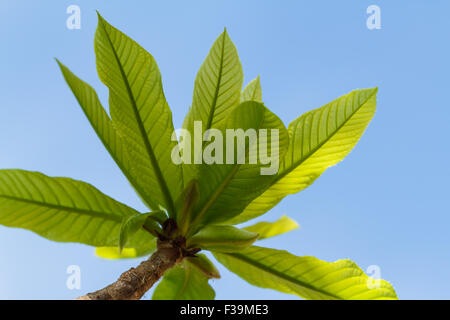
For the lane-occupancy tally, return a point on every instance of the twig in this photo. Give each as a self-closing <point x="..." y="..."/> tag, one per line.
<point x="134" y="283"/>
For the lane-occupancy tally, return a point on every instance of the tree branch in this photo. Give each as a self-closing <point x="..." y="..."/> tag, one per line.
<point x="134" y="283"/>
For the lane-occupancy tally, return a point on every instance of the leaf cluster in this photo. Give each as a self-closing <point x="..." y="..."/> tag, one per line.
<point x="200" y="203"/>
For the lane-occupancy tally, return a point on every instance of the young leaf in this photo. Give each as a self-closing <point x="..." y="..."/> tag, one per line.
<point x="272" y="229"/>
<point x="140" y="112"/>
<point x="135" y="223"/>
<point x="158" y="216"/>
<point x="113" y="253"/>
<point x="318" y="140"/>
<point x="203" y="264"/>
<point x="252" y="92"/>
<point x="149" y="222"/>
<point x="306" y="277"/>
<point x="184" y="282"/>
<point x="222" y="238"/>
<point x="185" y="204"/>
<point x="217" y="91"/>
<point x="62" y="209"/>
<point x="226" y="189"/>
<point x="102" y="124"/>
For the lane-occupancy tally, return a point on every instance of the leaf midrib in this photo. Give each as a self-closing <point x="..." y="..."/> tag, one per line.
<point x="156" y="169"/>
<point x="87" y="212"/>
<point x="255" y="89"/>
<point x="111" y="130"/>
<point x="278" y="274"/>
<point x="219" y="80"/>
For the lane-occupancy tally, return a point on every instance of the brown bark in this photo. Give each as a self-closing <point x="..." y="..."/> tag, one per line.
<point x="134" y="283"/>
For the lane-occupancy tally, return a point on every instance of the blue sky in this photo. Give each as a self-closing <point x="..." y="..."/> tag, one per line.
<point x="385" y="205"/>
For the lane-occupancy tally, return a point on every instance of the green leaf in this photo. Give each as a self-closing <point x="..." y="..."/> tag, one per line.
<point x="226" y="189"/>
<point x="158" y="216"/>
<point x="135" y="223"/>
<point x="272" y="229"/>
<point x="218" y="83"/>
<point x="203" y="264"/>
<point x="222" y="238"/>
<point x="103" y="126"/>
<point x="64" y="210"/>
<point x="307" y="277"/>
<point x="252" y="92"/>
<point x="113" y="253"/>
<point x="184" y="282"/>
<point x="185" y="204"/>
<point x="140" y="112"/>
<point x="318" y="140"/>
<point x="217" y="92"/>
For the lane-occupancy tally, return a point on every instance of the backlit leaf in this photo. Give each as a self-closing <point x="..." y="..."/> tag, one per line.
<point x="272" y="229"/>
<point x="103" y="126"/>
<point x="226" y="189"/>
<point x="252" y="92"/>
<point x="318" y="140"/>
<point x="63" y="210"/>
<point x="217" y="92"/>
<point x="307" y="277"/>
<point x="140" y="112"/>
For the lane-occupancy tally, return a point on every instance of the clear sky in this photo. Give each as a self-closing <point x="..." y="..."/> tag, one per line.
<point x="385" y="205"/>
